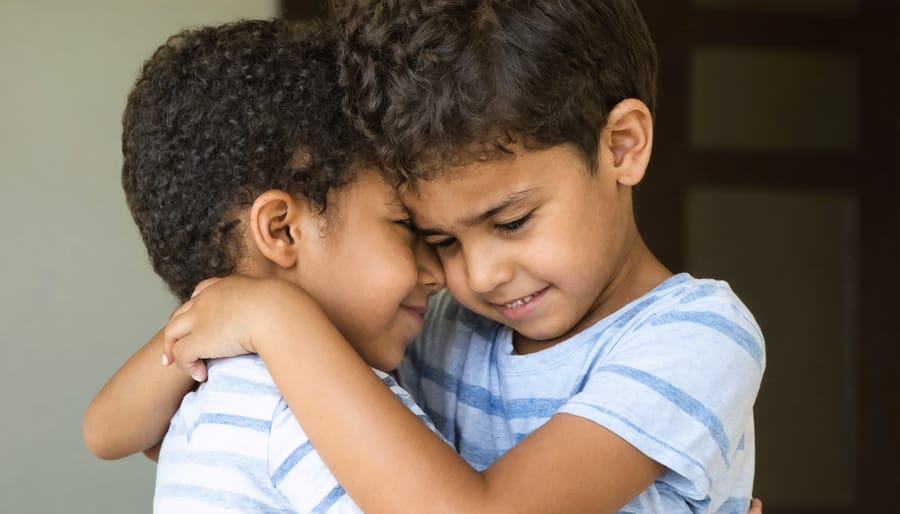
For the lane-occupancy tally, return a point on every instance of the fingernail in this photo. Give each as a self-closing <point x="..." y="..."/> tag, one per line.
<point x="197" y="377"/>
<point x="165" y="360"/>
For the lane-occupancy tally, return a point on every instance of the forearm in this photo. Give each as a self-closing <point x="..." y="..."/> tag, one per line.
<point x="351" y="417"/>
<point x="568" y="465"/>
<point x="132" y="411"/>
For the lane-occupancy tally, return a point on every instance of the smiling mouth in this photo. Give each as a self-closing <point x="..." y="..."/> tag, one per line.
<point x="418" y="311"/>
<point x="521" y="301"/>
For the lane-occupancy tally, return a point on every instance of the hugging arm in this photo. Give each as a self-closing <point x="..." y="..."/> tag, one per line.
<point x="568" y="465"/>
<point x="132" y="411"/>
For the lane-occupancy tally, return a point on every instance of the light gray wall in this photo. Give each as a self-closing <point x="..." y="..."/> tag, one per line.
<point x="77" y="294"/>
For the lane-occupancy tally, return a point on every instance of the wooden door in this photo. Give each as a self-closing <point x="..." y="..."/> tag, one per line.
<point x="776" y="168"/>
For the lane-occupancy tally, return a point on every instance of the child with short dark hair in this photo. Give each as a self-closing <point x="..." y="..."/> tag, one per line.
<point x="569" y="367"/>
<point x="238" y="159"/>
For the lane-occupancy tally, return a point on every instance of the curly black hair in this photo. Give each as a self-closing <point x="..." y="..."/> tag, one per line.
<point x="219" y="115"/>
<point x="442" y="82"/>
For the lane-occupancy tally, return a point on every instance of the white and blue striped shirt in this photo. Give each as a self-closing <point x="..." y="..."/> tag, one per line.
<point x="234" y="446"/>
<point x="675" y="373"/>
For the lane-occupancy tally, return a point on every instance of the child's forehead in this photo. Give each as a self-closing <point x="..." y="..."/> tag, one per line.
<point x="518" y="161"/>
<point x="482" y="189"/>
<point x="376" y="185"/>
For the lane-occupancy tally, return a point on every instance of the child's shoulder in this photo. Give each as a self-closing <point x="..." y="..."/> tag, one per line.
<point x="240" y="385"/>
<point x="684" y="297"/>
<point x="705" y="312"/>
<point x="686" y="289"/>
<point x="242" y="369"/>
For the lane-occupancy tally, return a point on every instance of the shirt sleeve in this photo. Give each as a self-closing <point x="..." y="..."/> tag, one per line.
<point x="680" y="387"/>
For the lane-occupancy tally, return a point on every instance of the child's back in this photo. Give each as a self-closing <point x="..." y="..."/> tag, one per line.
<point x="235" y="446"/>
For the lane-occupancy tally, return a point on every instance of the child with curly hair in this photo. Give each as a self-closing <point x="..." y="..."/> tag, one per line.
<point x="238" y="159"/>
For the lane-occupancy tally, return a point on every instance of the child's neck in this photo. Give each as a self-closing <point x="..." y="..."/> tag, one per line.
<point x="523" y="345"/>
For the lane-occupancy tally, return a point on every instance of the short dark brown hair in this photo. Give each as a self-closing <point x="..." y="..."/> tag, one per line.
<point x="442" y="82"/>
<point x="219" y="115"/>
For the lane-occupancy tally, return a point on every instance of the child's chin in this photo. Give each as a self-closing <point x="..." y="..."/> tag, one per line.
<point x="388" y="363"/>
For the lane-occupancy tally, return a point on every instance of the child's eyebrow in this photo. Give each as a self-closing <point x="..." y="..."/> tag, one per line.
<point x="503" y="204"/>
<point x="396" y="204"/>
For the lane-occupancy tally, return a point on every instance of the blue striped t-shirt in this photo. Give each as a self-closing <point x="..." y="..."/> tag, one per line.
<point x="234" y="446"/>
<point x="675" y="373"/>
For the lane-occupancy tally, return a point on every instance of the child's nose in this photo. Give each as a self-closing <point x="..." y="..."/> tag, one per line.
<point x="431" y="274"/>
<point x="485" y="270"/>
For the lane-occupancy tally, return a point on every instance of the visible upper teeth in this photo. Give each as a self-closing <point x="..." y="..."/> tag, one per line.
<point x="519" y="302"/>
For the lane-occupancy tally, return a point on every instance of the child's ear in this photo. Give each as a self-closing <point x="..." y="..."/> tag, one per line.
<point x="275" y="221"/>
<point x="627" y="140"/>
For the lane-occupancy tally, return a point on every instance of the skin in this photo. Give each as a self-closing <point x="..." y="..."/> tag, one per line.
<point x="288" y="246"/>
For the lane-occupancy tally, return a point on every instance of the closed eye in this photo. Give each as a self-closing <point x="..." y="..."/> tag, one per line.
<point x="408" y="224"/>
<point x="443" y="243"/>
<point x="515" y="225"/>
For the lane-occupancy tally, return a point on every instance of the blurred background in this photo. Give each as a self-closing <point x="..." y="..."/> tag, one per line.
<point x="776" y="167"/>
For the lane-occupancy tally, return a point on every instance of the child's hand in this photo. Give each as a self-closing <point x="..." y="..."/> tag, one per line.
<point x="221" y="320"/>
